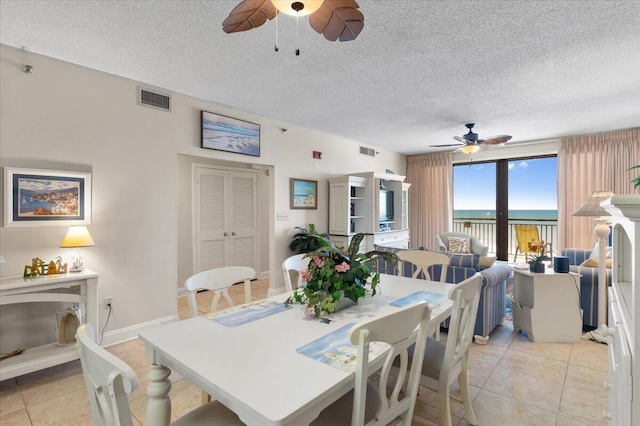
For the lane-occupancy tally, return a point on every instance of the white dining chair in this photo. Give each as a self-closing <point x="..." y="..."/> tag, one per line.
<point x="443" y="362"/>
<point x="422" y="259"/>
<point x="109" y="381"/>
<point x="373" y="404"/>
<point x="294" y="264"/>
<point x="218" y="280"/>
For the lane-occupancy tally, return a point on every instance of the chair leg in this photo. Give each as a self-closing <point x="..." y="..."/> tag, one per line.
<point x="515" y="256"/>
<point x="463" y="381"/>
<point x="445" y="407"/>
<point x="420" y="420"/>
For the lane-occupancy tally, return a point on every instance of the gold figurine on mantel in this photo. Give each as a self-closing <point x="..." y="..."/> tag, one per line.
<point x="38" y="267"/>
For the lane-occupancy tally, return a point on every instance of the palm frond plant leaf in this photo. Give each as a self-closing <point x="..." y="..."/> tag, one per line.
<point x="306" y="240"/>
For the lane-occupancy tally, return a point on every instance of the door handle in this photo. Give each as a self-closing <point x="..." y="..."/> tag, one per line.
<point x="226" y="234"/>
<point x="233" y="233"/>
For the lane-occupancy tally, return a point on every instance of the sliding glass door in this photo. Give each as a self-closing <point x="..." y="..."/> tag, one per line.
<point x="474" y="201"/>
<point x="491" y="197"/>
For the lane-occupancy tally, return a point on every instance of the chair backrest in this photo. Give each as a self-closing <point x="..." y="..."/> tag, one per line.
<point x="441" y="242"/>
<point x="422" y="259"/>
<point x="466" y="297"/>
<point x="395" y="329"/>
<point x="108" y="380"/>
<point x="218" y="280"/>
<point x="295" y="264"/>
<point x="526" y="234"/>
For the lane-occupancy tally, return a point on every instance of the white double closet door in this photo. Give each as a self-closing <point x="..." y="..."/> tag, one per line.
<point x="225" y="218"/>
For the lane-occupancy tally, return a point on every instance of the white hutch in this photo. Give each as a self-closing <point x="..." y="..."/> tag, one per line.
<point x="624" y="312"/>
<point x="376" y="204"/>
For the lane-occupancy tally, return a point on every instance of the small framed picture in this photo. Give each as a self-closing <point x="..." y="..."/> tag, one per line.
<point x="304" y="194"/>
<point x="230" y="134"/>
<point x="46" y="197"/>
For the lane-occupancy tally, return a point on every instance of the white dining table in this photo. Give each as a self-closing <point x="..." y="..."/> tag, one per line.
<point x="254" y="369"/>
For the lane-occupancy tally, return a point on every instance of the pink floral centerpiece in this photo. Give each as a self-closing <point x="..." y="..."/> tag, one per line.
<point x="335" y="273"/>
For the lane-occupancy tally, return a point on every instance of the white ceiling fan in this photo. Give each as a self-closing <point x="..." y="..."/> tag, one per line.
<point x="469" y="142"/>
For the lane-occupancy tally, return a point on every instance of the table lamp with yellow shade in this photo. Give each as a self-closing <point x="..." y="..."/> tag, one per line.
<point x="77" y="236"/>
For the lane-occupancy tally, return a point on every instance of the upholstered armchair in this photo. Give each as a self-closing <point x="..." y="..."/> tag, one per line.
<point x="442" y="243"/>
<point x="588" y="284"/>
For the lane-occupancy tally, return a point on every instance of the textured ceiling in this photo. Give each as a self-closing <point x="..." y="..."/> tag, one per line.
<point x="418" y="71"/>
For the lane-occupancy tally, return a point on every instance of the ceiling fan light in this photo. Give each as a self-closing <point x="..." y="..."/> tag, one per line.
<point x="293" y="7"/>
<point x="470" y="149"/>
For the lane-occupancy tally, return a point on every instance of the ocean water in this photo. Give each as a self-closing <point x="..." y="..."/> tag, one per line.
<point x="513" y="214"/>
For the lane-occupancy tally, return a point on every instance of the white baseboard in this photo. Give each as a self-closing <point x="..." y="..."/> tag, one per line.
<point x="129" y="333"/>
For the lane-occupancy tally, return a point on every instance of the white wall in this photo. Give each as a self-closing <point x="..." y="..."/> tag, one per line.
<point x="67" y="117"/>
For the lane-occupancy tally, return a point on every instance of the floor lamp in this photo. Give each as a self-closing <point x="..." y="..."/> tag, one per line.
<point x="592" y="208"/>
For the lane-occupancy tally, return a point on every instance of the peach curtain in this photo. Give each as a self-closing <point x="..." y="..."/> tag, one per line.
<point x="589" y="163"/>
<point x="430" y="197"/>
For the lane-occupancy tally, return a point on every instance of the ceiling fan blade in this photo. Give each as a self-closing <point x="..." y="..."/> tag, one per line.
<point x="495" y="140"/>
<point x="461" y="139"/>
<point x="338" y="20"/>
<point x="443" y="146"/>
<point x="249" y="14"/>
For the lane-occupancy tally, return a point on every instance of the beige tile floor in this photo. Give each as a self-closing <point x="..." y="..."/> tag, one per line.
<point x="513" y="382"/>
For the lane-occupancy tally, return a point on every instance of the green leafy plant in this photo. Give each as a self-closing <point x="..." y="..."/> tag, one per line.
<point x="537" y="259"/>
<point x="307" y="240"/>
<point x="334" y="272"/>
<point x="636" y="180"/>
<point x="542" y="256"/>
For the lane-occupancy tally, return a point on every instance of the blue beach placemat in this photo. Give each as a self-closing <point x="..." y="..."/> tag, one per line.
<point x="432" y="299"/>
<point x="336" y="350"/>
<point x="236" y="316"/>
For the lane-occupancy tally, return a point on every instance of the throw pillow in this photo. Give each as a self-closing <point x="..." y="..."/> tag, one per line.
<point x="595" y="252"/>
<point x="486" y="262"/>
<point x="459" y="245"/>
<point x="465" y="260"/>
<point x="592" y="261"/>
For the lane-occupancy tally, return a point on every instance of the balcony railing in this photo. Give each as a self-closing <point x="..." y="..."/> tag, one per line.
<point x="485" y="231"/>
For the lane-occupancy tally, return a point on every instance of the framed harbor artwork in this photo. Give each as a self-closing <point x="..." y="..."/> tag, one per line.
<point x="304" y="194"/>
<point x="230" y="134"/>
<point x="46" y="197"/>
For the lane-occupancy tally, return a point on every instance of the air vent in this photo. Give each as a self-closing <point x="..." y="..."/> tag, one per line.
<point x="367" y="151"/>
<point x="154" y="99"/>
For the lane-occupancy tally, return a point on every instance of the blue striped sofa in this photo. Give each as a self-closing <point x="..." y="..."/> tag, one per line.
<point x="492" y="308"/>
<point x="588" y="284"/>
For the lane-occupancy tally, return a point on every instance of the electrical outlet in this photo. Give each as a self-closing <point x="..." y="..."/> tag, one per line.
<point x="108" y="302"/>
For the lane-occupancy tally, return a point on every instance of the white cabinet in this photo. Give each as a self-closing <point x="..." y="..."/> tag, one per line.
<point x="77" y="287"/>
<point x="624" y="307"/>
<point x="348" y="206"/>
<point x="546" y="306"/>
<point x="397" y="239"/>
<point x="376" y="204"/>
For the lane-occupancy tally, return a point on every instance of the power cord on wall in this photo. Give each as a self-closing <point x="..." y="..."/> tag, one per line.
<point x="577" y="285"/>
<point x="105" y="324"/>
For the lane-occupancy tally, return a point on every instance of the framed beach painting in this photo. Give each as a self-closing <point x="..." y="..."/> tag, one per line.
<point x="230" y="134"/>
<point x="304" y="194"/>
<point x="46" y="197"/>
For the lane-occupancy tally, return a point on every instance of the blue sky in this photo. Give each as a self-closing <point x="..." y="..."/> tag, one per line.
<point x="533" y="185"/>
